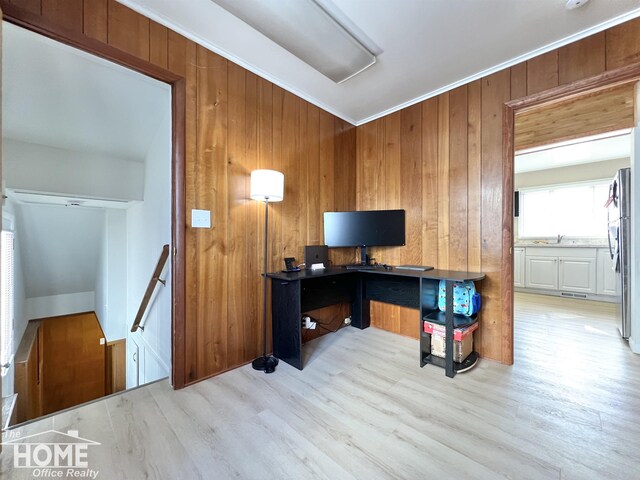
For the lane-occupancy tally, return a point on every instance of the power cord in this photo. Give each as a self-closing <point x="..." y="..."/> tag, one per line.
<point x="324" y="326"/>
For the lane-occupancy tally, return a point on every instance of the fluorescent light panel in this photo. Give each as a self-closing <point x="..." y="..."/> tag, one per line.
<point x="305" y="29"/>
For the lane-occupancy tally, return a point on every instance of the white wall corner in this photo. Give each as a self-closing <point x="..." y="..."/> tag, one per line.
<point x="56" y="305"/>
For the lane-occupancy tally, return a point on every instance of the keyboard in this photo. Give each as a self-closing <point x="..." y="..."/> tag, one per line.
<point x="363" y="267"/>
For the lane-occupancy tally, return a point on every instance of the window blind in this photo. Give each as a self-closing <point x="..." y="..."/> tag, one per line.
<point x="6" y="309"/>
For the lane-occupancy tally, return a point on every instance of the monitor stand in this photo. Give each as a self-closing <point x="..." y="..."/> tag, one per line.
<point x="364" y="260"/>
<point x="363" y="255"/>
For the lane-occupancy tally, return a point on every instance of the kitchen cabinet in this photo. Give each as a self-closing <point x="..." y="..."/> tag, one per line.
<point x="541" y="272"/>
<point x="557" y="269"/>
<point x="607" y="278"/>
<point x="577" y="274"/>
<point x="518" y="267"/>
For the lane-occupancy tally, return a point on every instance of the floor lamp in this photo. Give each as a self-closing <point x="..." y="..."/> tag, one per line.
<point x="266" y="186"/>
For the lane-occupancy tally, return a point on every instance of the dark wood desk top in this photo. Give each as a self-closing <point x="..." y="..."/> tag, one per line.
<point x="430" y="274"/>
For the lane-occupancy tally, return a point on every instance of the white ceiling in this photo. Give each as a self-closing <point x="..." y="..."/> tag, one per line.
<point x="427" y="46"/>
<point x="61" y="97"/>
<point x="574" y="153"/>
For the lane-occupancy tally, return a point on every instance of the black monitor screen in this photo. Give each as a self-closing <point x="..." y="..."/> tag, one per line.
<point x="365" y="228"/>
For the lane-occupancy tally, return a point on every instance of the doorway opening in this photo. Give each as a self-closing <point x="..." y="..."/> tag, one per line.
<point x="562" y="149"/>
<point x="89" y="175"/>
<point x="567" y="276"/>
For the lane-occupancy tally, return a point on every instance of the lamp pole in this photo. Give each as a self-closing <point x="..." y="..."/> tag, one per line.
<point x="264" y="276"/>
<point x="266" y="185"/>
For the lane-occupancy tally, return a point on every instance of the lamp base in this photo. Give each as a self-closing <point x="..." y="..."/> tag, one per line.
<point x="267" y="363"/>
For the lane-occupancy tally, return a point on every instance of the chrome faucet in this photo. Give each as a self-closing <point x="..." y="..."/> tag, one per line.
<point x="560" y="237"/>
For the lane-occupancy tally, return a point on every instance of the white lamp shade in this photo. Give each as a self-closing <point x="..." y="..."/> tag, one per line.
<point x="267" y="185"/>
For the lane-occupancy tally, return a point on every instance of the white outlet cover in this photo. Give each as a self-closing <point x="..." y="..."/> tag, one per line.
<point x="200" y="218"/>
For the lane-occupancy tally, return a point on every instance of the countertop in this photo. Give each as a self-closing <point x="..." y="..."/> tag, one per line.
<point x="568" y="244"/>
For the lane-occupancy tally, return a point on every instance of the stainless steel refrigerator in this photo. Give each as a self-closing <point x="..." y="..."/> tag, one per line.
<point x="619" y="234"/>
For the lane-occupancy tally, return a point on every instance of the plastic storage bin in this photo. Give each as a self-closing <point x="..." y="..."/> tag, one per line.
<point x="462" y="340"/>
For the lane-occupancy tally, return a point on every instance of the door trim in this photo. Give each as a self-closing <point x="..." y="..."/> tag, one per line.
<point x="37" y="24"/>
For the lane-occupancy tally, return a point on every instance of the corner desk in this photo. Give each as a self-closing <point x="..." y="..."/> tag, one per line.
<point x="293" y="293"/>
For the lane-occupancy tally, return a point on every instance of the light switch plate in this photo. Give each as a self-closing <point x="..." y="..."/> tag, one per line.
<point x="200" y="219"/>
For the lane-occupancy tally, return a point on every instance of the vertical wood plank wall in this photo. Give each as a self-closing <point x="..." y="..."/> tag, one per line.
<point x="235" y="122"/>
<point x="441" y="160"/>
<point x="453" y="143"/>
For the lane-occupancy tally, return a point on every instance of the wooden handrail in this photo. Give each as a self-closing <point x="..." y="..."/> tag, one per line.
<point x="155" y="278"/>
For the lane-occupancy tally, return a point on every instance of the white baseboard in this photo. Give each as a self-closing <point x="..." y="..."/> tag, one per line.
<point x="635" y="346"/>
<point x="574" y="295"/>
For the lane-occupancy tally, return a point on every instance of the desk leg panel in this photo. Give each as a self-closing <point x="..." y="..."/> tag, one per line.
<point x="449" y="371"/>
<point x="286" y="321"/>
<point x="361" y="307"/>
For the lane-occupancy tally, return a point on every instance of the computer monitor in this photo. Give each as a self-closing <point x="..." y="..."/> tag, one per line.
<point x="364" y="229"/>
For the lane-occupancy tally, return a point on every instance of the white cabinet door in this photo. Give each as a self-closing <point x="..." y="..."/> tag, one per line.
<point x="606" y="278"/>
<point x="541" y="272"/>
<point x="577" y="274"/>
<point x="518" y="267"/>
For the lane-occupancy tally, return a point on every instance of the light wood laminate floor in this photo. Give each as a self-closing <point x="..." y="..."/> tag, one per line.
<point x="362" y="408"/>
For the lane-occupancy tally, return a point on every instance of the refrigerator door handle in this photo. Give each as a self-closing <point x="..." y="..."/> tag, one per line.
<point x="609" y="235"/>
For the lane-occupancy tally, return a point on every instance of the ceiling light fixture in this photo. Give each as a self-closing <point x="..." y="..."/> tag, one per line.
<point x="306" y="30"/>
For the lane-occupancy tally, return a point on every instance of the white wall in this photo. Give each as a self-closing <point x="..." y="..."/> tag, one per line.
<point x="148" y="229"/>
<point x="27" y="166"/>
<point x="60" y="248"/>
<point x="111" y="280"/>
<point x="55" y="305"/>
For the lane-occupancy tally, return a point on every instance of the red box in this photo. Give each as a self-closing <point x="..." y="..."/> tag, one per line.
<point x="458" y="333"/>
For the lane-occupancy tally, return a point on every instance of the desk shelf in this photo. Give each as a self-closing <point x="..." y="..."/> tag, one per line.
<point x="465" y="365"/>
<point x="431" y="313"/>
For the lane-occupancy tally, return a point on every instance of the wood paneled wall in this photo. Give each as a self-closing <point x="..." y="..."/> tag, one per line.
<point x="116" y="366"/>
<point x="73" y="354"/>
<point x="441" y="160"/>
<point x="235" y="122"/>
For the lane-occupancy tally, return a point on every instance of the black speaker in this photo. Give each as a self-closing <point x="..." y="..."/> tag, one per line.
<point x="516" y="203"/>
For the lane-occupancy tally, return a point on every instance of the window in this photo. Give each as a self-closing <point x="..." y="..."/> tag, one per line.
<point x="575" y="210"/>
<point x="6" y="309"/>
